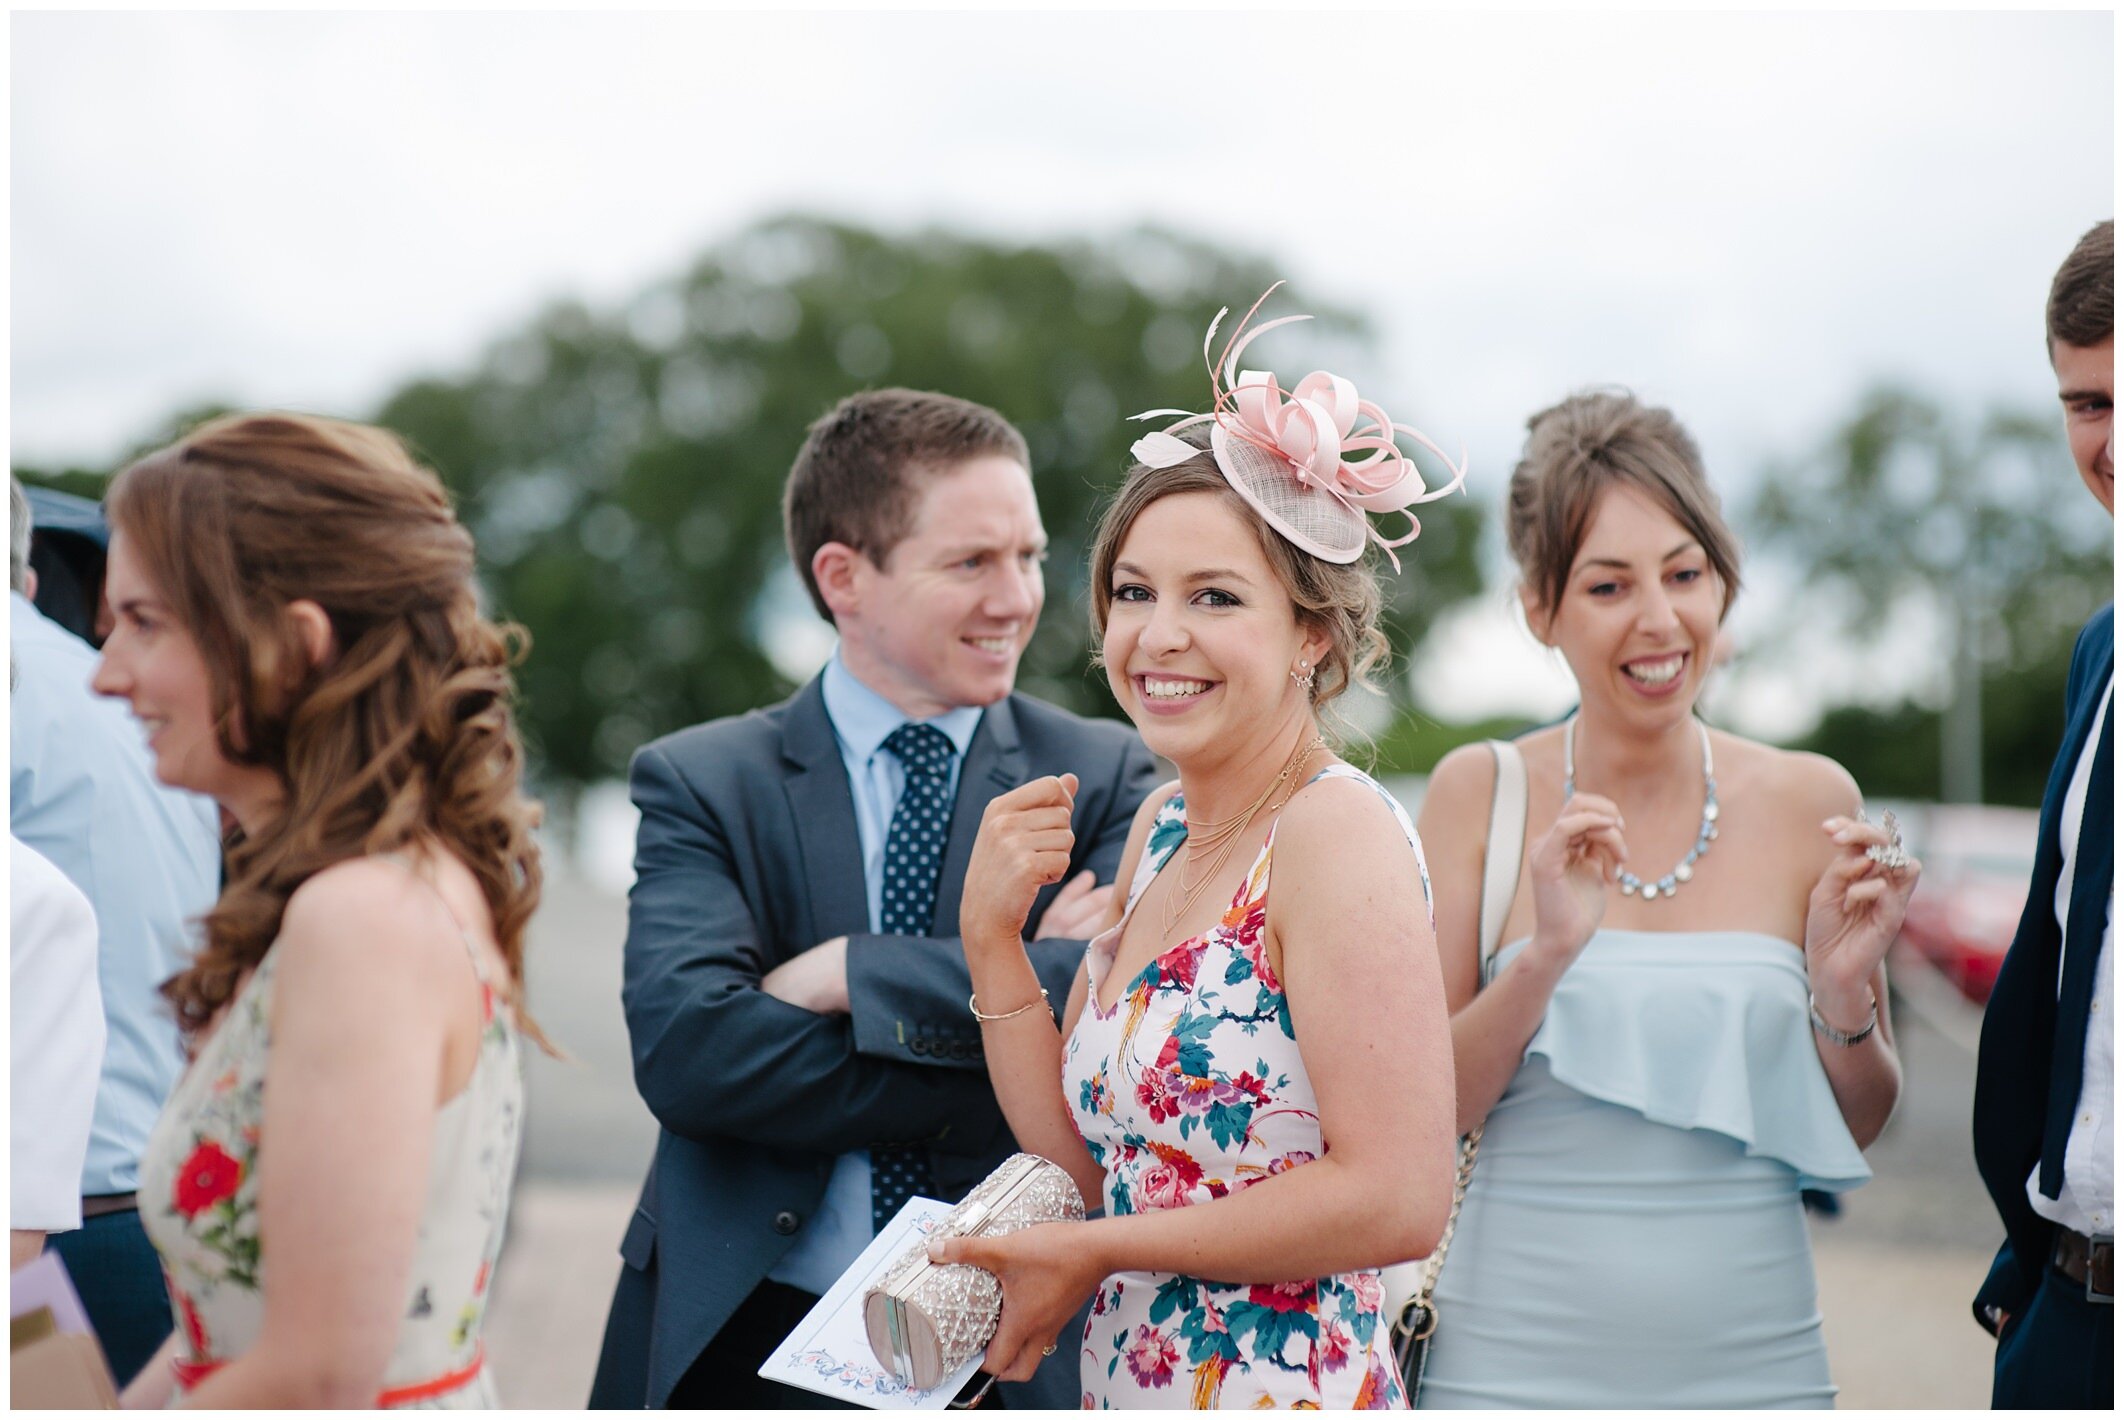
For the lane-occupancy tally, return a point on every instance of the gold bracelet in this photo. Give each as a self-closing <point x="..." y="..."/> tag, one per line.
<point x="1007" y="1014"/>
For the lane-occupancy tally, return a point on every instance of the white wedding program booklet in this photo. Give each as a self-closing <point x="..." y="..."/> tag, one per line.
<point x="830" y="1353"/>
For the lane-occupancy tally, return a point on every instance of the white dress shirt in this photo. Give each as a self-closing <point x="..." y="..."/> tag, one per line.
<point x="2087" y="1202"/>
<point x="55" y="1051"/>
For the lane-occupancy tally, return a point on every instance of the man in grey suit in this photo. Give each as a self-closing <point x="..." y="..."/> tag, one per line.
<point x="795" y="990"/>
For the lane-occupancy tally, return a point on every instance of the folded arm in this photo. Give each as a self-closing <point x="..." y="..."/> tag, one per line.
<point x="908" y="987"/>
<point x="714" y="1055"/>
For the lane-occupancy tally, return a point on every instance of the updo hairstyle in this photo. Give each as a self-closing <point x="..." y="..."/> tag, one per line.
<point x="1576" y="451"/>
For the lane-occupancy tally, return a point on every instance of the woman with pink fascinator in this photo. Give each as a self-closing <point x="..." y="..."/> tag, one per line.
<point x="1253" y="1073"/>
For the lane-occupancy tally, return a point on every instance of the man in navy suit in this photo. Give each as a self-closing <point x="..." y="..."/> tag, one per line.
<point x="795" y="990"/>
<point x="2045" y="1092"/>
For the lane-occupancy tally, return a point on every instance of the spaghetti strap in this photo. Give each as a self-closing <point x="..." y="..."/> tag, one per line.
<point x="1168" y="832"/>
<point x="479" y="972"/>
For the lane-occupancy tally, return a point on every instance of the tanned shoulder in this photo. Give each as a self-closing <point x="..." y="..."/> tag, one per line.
<point x="1461" y="783"/>
<point x="383" y="912"/>
<point x="1813" y="786"/>
<point x="1335" y="816"/>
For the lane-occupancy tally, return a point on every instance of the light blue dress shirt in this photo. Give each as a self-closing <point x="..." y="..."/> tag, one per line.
<point x="82" y="791"/>
<point x="862" y="720"/>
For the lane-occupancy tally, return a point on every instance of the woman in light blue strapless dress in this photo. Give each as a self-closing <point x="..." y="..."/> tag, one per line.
<point x="1658" y="1063"/>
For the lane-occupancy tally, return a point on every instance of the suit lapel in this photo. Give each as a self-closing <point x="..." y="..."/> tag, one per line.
<point x="2093" y="850"/>
<point x="2093" y="867"/>
<point x="995" y="761"/>
<point x="2039" y="918"/>
<point x="2085" y="722"/>
<point x="823" y="809"/>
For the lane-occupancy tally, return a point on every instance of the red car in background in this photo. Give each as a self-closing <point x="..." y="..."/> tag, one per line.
<point x="1963" y="915"/>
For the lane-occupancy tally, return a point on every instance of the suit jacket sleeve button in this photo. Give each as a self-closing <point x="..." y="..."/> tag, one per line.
<point x="918" y="1046"/>
<point x="785" y="1222"/>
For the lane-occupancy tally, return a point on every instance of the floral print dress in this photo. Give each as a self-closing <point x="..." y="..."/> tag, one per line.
<point x="199" y="1205"/>
<point x="1190" y="1089"/>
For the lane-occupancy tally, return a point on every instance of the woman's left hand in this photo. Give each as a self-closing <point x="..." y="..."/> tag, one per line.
<point x="1855" y="911"/>
<point x="1046" y="1272"/>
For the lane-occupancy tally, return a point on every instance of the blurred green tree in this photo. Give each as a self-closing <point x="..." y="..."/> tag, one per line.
<point x="1983" y="518"/>
<point x="90" y="482"/>
<point x="1896" y="750"/>
<point x="622" y="470"/>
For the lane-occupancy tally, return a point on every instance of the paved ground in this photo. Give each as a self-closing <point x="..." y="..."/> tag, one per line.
<point x="1896" y="1270"/>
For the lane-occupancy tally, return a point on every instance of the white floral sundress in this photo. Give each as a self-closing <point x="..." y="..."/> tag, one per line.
<point x="1191" y="1089"/>
<point x="199" y="1205"/>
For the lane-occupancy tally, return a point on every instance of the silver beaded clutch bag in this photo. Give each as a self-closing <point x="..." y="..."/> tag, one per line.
<point x="925" y="1318"/>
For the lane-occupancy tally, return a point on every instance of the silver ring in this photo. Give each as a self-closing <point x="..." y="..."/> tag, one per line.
<point x="1889" y="855"/>
<point x="1048" y="1349"/>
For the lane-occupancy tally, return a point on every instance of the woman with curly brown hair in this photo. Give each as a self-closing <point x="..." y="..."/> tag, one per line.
<point x="298" y="633"/>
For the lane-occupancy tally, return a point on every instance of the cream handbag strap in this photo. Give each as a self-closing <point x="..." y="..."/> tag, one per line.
<point x="1409" y="1285"/>
<point x="1503" y="850"/>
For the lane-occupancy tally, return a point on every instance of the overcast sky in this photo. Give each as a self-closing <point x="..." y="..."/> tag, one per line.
<point x="1746" y="217"/>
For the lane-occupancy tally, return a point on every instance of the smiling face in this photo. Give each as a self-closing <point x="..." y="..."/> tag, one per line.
<point x="1201" y="637"/>
<point x="152" y="662"/>
<point x="2086" y="388"/>
<point x="943" y="622"/>
<point x="1638" y="618"/>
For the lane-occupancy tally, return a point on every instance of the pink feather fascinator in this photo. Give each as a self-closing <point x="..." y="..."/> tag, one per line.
<point x="1314" y="461"/>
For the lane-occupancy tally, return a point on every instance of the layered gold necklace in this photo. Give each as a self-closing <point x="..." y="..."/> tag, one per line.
<point x="1215" y="841"/>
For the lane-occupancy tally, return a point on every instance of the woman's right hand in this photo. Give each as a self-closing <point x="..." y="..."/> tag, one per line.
<point x="1024" y="844"/>
<point x="1047" y="1272"/>
<point x="1573" y="865"/>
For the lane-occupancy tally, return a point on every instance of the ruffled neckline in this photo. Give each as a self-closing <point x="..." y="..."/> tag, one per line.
<point x="1701" y="1030"/>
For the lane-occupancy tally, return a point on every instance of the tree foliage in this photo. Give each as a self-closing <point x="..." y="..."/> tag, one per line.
<point x="1896" y="750"/>
<point x="1983" y="518"/>
<point x="622" y="470"/>
<point x="1907" y="499"/>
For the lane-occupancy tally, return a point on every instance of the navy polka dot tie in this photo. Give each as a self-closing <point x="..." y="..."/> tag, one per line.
<point x="914" y="850"/>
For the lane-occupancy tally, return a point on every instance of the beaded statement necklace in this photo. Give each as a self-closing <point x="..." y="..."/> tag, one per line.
<point x="1215" y="841"/>
<point x="1629" y="882"/>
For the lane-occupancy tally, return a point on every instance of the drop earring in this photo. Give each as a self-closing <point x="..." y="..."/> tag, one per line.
<point x="1304" y="677"/>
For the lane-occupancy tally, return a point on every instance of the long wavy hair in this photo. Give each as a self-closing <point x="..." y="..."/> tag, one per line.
<point x="406" y="733"/>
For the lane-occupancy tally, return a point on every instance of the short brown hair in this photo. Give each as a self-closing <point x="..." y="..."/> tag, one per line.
<point x="853" y="481"/>
<point x="2082" y="295"/>
<point x="1343" y="598"/>
<point x="1579" y="449"/>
